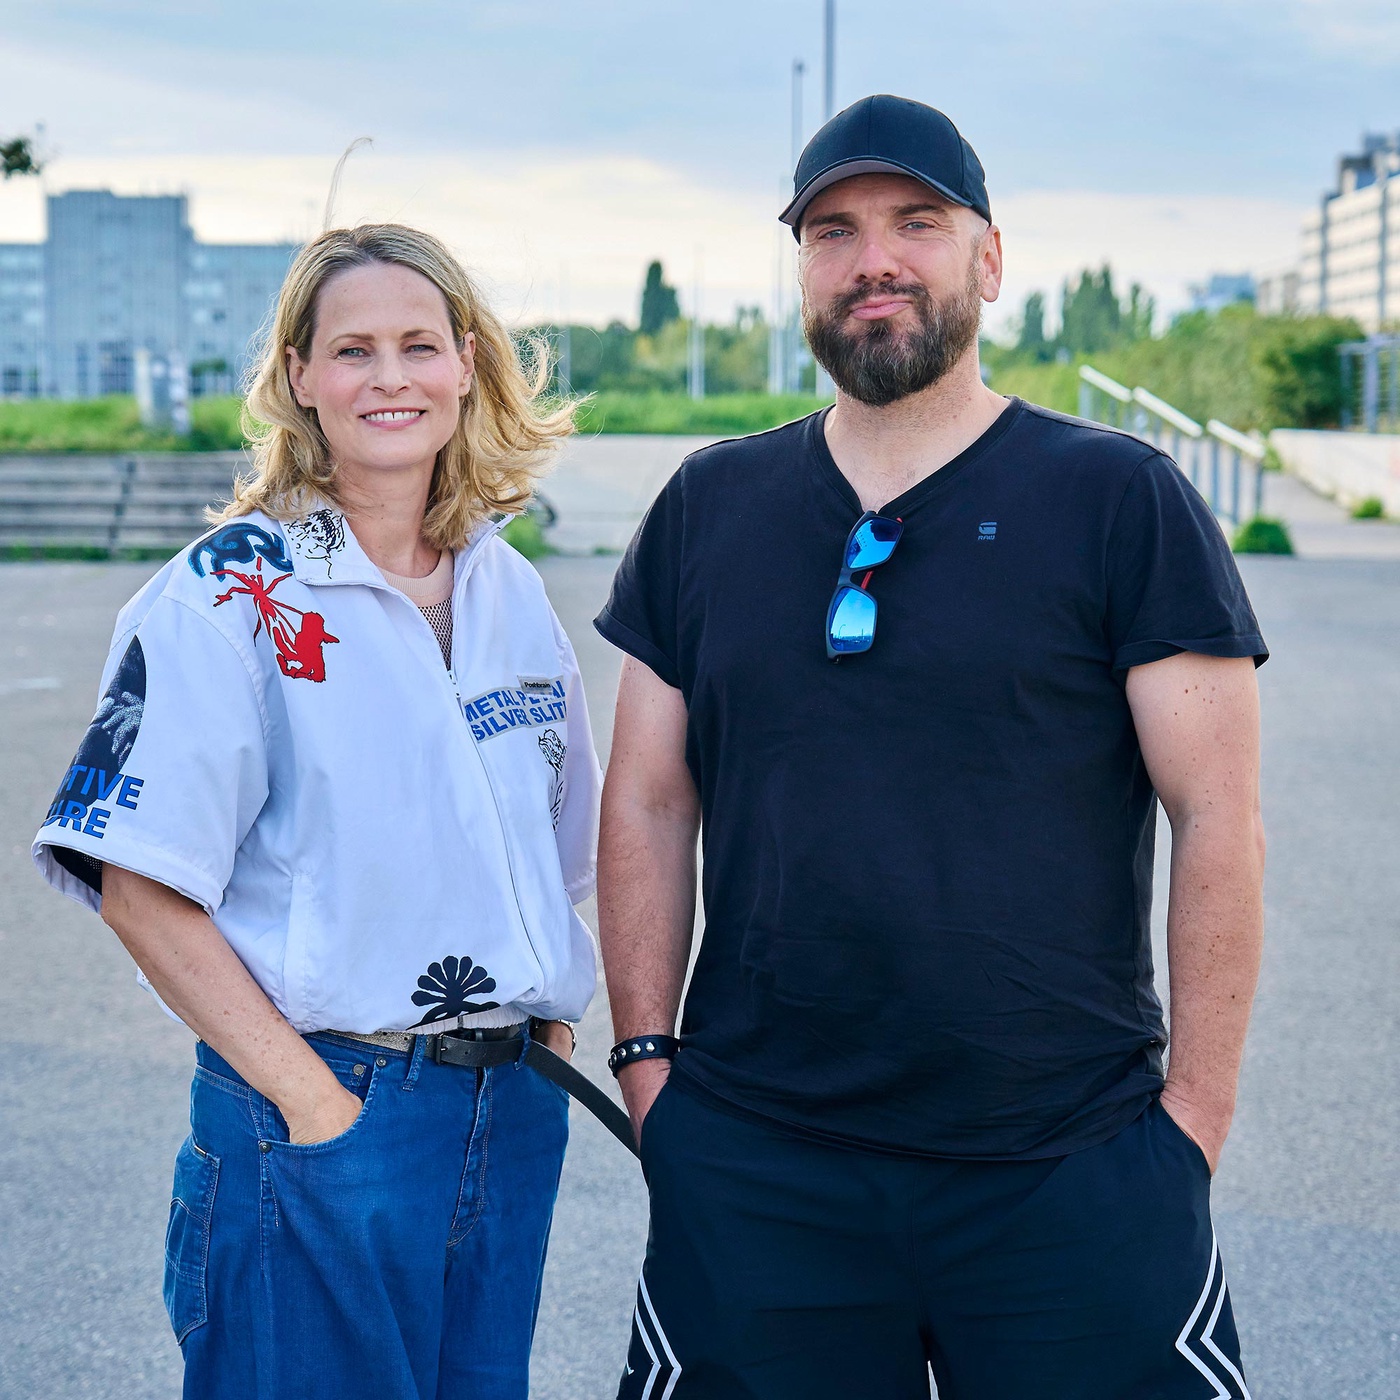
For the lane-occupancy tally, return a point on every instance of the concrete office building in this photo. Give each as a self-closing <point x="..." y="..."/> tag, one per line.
<point x="119" y="274"/>
<point x="1351" y="242"/>
<point x="114" y="275"/>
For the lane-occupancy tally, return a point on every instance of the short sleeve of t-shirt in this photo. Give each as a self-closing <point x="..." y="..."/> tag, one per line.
<point x="1172" y="581"/>
<point x="172" y="771"/>
<point x="640" y="616"/>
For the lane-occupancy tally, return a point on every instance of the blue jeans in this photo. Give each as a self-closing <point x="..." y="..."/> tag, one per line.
<point x="399" y="1261"/>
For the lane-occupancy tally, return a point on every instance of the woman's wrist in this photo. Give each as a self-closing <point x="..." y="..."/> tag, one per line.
<point x="557" y="1036"/>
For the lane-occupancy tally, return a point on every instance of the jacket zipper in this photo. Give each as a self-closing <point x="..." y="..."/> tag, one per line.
<point x="471" y="742"/>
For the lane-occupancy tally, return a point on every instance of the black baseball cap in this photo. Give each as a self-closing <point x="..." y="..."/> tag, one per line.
<point x="894" y="135"/>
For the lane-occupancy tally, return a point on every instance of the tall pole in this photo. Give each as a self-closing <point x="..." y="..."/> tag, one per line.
<point x="563" y="343"/>
<point x="790" y="335"/>
<point x="798" y="69"/>
<point x="829" y="61"/>
<point x="821" y="380"/>
<point x="776" y="381"/>
<point x="696" y="376"/>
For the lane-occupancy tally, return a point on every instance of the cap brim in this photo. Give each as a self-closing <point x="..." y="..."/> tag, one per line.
<point x="843" y="170"/>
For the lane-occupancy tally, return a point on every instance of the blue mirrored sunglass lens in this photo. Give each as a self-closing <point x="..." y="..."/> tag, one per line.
<point x="852" y="623"/>
<point x="873" y="543"/>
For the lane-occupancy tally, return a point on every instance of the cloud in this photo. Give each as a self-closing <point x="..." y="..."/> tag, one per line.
<point x="547" y="232"/>
<point x="1366" y="32"/>
<point x="1163" y="243"/>
<point x="551" y="232"/>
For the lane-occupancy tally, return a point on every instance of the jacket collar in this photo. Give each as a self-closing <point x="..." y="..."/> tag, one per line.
<point x="323" y="550"/>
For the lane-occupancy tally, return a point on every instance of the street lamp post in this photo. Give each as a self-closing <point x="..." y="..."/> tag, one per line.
<point x="829" y="61"/>
<point x="696" y="375"/>
<point x="791" y="335"/>
<point x="822" y="383"/>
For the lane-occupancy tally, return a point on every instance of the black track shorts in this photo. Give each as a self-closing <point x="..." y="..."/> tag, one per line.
<point x="784" y="1268"/>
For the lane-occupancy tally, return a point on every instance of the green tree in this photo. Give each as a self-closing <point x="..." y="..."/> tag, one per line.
<point x="736" y="356"/>
<point x="17" y="157"/>
<point x="599" y="359"/>
<point x="660" y="304"/>
<point x="1138" y="314"/>
<point x="1090" y="317"/>
<point x="1031" y="341"/>
<point x="1300" y="369"/>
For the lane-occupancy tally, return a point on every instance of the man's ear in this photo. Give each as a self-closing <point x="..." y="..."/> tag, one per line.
<point x="296" y="377"/>
<point x="989" y="255"/>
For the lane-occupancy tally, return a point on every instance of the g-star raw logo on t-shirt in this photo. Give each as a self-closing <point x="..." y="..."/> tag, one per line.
<point x="987" y="530"/>
<point x="496" y="712"/>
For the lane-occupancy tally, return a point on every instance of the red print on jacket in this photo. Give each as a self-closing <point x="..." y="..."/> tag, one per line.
<point x="298" y="635"/>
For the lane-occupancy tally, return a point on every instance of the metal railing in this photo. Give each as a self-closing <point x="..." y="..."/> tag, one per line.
<point x="1371" y="383"/>
<point x="1222" y="464"/>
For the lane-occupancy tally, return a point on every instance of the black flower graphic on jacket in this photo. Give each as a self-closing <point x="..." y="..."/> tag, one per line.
<point x="448" y="986"/>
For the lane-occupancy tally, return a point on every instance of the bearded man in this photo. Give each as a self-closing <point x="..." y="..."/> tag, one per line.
<point x="917" y="1119"/>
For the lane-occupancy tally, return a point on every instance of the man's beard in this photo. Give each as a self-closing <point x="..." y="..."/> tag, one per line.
<point x="881" y="364"/>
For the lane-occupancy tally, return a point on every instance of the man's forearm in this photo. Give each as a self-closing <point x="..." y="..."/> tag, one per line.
<point x="646" y="910"/>
<point x="1215" y="934"/>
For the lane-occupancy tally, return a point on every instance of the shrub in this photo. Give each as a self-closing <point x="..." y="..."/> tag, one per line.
<point x="1370" y="508"/>
<point x="1263" y="535"/>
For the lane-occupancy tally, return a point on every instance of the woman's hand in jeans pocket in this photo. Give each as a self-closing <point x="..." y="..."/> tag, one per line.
<point x="556" y="1036"/>
<point x="330" y="1112"/>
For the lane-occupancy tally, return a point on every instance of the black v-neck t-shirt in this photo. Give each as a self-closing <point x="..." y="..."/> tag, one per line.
<point x="928" y="867"/>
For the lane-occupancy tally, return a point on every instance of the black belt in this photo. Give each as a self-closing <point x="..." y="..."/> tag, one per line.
<point x="505" y="1049"/>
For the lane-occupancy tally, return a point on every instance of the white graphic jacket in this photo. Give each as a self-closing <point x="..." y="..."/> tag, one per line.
<point x="384" y="843"/>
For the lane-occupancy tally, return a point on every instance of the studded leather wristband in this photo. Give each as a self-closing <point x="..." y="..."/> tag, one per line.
<point x="642" y="1047"/>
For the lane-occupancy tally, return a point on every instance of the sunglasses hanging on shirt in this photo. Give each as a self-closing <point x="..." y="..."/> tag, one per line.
<point x="850" y="616"/>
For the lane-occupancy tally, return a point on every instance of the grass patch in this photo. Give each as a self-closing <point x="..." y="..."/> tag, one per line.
<point x="524" y="534"/>
<point x="80" y="553"/>
<point x="1263" y="535"/>
<point x="720" y="416"/>
<point x="1368" y="508"/>
<point x="215" y="424"/>
<point x="113" y="424"/>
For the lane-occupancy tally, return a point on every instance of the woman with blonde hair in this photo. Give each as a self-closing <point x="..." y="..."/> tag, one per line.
<point x="338" y="801"/>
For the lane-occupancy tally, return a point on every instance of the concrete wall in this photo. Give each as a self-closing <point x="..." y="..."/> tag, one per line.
<point x="1346" y="466"/>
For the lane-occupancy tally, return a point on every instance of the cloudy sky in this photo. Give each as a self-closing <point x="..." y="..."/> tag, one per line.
<point x="558" y="146"/>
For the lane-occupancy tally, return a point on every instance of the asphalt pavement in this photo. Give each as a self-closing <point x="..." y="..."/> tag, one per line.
<point x="93" y="1097"/>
